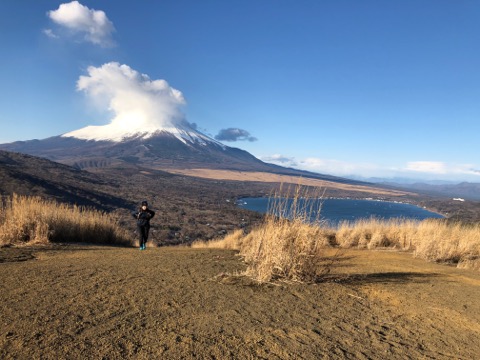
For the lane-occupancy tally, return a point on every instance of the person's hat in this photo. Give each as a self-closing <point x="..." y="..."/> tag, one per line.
<point x="144" y="203"/>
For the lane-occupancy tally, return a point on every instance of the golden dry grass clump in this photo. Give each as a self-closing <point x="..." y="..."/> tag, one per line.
<point x="232" y="241"/>
<point x="26" y="219"/>
<point x="287" y="249"/>
<point x="455" y="243"/>
<point x="287" y="245"/>
<point x="290" y="245"/>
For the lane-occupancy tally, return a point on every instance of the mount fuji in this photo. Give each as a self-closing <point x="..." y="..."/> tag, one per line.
<point x="168" y="147"/>
<point x="177" y="146"/>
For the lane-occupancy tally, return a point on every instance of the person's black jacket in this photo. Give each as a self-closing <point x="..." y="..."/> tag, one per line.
<point x="143" y="217"/>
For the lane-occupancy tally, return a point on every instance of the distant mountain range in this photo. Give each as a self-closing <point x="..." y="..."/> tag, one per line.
<point x="464" y="190"/>
<point x="443" y="188"/>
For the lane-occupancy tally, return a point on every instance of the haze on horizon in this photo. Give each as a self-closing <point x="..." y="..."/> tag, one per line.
<point x="371" y="89"/>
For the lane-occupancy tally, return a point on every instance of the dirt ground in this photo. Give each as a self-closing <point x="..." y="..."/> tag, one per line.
<point x="79" y="302"/>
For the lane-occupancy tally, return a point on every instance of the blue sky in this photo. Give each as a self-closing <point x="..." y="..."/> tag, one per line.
<point x="370" y="88"/>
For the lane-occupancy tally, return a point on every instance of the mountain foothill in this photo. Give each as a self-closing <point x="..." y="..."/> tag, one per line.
<point x="115" y="176"/>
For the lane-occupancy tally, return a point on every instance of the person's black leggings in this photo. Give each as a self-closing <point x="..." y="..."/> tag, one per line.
<point x="143" y="234"/>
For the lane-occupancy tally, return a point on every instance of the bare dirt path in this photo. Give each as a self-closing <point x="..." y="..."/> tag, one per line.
<point x="78" y="302"/>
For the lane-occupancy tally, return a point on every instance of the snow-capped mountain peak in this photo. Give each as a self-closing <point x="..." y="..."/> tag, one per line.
<point x="114" y="133"/>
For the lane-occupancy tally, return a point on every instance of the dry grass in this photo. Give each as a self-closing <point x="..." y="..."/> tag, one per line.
<point x="285" y="249"/>
<point x="289" y="245"/>
<point x="432" y="239"/>
<point x="374" y="233"/>
<point x="256" y="176"/>
<point x="453" y="243"/>
<point x="231" y="242"/>
<point x="34" y="220"/>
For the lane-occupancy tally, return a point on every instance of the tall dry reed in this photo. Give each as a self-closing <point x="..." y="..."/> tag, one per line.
<point x="32" y="219"/>
<point x="431" y="239"/>
<point x="287" y="245"/>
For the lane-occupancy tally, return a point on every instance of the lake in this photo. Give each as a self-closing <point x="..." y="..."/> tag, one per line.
<point x="335" y="211"/>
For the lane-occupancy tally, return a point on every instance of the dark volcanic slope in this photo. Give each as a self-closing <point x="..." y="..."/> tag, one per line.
<point x="28" y="175"/>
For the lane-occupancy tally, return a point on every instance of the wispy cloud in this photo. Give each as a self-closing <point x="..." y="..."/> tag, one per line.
<point x="138" y="103"/>
<point x="434" y="167"/>
<point x="93" y="25"/>
<point x="412" y="169"/>
<point x="234" y="134"/>
<point x="336" y="167"/>
<point x="325" y="166"/>
<point x="50" y="33"/>
<point x="442" y="169"/>
<point x="279" y="159"/>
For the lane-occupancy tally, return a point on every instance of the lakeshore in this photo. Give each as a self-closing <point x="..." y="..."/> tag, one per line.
<point x="334" y="211"/>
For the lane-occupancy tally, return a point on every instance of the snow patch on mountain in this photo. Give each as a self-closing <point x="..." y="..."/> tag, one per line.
<point x="112" y="133"/>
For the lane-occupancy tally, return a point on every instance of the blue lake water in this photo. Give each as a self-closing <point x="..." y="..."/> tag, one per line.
<point x="335" y="211"/>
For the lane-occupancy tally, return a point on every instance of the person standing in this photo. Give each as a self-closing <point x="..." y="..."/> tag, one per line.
<point x="143" y="216"/>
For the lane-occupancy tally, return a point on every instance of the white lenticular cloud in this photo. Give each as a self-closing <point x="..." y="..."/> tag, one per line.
<point x="79" y="19"/>
<point x="138" y="104"/>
